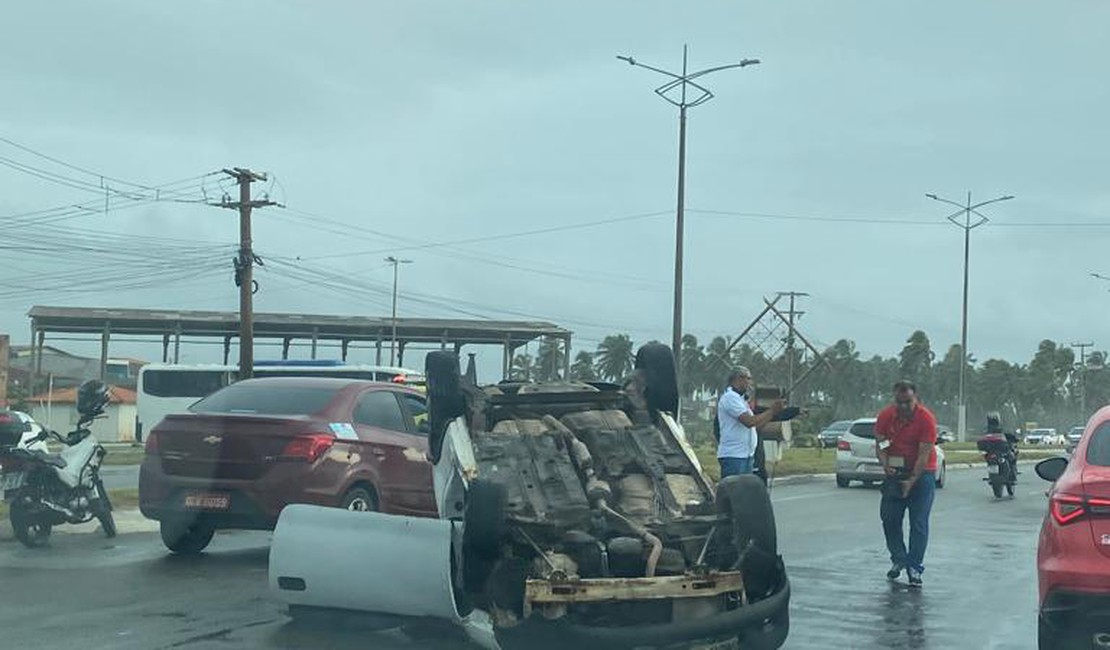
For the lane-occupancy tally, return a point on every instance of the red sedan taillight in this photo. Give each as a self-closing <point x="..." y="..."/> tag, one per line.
<point x="1068" y="508"/>
<point x="151" y="448"/>
<point x="843" y="445"/>
<point x="307" y="448"/>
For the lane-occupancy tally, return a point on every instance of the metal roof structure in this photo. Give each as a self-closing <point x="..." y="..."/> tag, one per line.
<point x="175" y="324"/>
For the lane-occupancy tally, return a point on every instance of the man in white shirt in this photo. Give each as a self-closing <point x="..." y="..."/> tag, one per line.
<point x="738" y="440"/>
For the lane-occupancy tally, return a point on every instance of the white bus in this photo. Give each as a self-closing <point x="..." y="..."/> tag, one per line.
<point x="173" y="388"/>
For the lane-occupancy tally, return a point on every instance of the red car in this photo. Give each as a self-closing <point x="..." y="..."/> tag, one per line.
<point x="243" y="453"/>
<point x="1073" y="554"/>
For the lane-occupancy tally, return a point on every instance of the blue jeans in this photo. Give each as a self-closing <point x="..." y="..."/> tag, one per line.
<point x="892" y="511"/>
<point x="735" y="466"/>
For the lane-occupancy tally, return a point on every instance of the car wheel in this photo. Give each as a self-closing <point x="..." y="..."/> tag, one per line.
<point x="484" y="528"/>
<point x="186" y="538"/>
<point x="445" y="397"/>
<point x="359" y="499"/>
<point x="660" y="378"/>
<point x="842" y="482"/>
<point x="753" y="543"/>
<point x="485" y="524"/>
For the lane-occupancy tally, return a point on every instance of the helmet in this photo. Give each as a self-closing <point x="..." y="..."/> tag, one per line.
<point x="994" y="422"/>
<point x="92" y="397"/>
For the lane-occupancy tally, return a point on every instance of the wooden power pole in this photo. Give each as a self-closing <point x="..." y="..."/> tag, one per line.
<point x="244" y="263"/>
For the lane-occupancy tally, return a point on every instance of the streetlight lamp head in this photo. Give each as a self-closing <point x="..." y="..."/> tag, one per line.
<point x="629" y="59"/>
<point x="932" y="196"/>
<point x="747" y="62"/>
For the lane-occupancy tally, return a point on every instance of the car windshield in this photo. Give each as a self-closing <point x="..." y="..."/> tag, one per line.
<point x="863" y="429"/>
<point x="265" y="399"/>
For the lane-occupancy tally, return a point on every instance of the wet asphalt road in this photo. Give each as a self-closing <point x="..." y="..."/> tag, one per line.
<point x="980" y="585"/>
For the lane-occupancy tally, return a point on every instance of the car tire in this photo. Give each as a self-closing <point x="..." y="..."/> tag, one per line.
<point x="485" y="522"/>
<point x="359" y="499"/>
<point x="186" y="538"/>
<point x="657" y="363"/>
<point x="842" y="482"/>
<point x="747" y="503"/>
<point x="485" y="527"/>
<point x="445" y="397"/>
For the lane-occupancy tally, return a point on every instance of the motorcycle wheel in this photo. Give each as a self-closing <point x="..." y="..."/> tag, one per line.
<point x="30" y="533"/>
<point x="102" y="509"/>
<point x="997" y="487"/>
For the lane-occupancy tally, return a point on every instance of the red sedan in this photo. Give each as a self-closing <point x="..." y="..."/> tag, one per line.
<point x="1073" y="555"/>
<point x="243" y="453"/>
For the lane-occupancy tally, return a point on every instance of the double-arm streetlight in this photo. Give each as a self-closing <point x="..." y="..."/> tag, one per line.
<point x="963" y="220"/>
<point x="682" y="91"/>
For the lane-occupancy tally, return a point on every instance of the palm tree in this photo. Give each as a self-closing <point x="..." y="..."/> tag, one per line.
<point x="583" y="367"/>
<point x="615" y="356"/>
<point x="691" y="365"/>
<point x="549" y="364"/>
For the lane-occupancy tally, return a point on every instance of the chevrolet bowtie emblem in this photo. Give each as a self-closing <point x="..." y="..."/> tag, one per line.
<point x="212" y="440"/>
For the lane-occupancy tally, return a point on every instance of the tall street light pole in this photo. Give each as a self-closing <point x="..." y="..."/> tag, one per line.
<point x="963" y="220"/>
<point x="393" y="342"/>
<point x="683" y="92"/>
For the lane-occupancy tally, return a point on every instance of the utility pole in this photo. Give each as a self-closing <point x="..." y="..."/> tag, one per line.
<point x="393" y="344"/>
<point x="244" y="263"/>
<point x="675" y="93"/>
<point x="967" y="225"/>
<point x="1083" y="377"/>
<point x="790" y="316"/>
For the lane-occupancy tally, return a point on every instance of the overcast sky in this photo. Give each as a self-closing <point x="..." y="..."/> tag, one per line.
<point x="427" y="122"/>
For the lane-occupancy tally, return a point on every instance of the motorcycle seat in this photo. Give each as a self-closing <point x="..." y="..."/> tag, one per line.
<point x="54" y="460"/>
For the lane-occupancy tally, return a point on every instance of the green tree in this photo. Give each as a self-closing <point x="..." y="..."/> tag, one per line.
<point x="691" y="366"/>
<point x="717" y="363"/>
<point x="916" y="359"/>
<point x="583" y="367"/>
<point x="615" y="357"/>
<point x="549" y="361"/>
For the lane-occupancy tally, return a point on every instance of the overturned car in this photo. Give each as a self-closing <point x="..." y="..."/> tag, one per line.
<point x="571" y="515"/>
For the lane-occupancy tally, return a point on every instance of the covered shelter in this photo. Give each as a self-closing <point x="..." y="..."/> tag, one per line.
<point x="173" y="325"/>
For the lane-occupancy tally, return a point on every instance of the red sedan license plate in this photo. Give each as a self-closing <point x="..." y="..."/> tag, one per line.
<point x="208" y="500"/>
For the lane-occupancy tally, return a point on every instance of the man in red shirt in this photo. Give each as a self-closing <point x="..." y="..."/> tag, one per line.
<point x="905" y="442"/>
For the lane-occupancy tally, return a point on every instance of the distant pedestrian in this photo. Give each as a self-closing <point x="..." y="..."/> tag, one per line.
<point x="905" y="442"/>
<point x="737" y="440"/>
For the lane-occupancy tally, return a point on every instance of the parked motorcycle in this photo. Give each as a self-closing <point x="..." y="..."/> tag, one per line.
<point x="44" y="490"/>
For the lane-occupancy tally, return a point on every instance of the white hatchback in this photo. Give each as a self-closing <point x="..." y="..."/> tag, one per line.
<point x="856" y="460"/>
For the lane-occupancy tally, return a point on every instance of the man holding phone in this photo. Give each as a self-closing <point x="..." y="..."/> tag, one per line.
<point x="905" y="443"/>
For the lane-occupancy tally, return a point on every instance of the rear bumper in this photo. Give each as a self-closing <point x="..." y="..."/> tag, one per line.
<point x="1067" y="611"/>
<point x="761" y="625"/>
<point x="254" y="504"/>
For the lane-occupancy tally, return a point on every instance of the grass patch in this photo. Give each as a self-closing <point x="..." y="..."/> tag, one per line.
<point x="794" y="461"/>
<point x="122" y="499"/>
<point x="124" y="456"/>
<point x="117" y="455"/>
